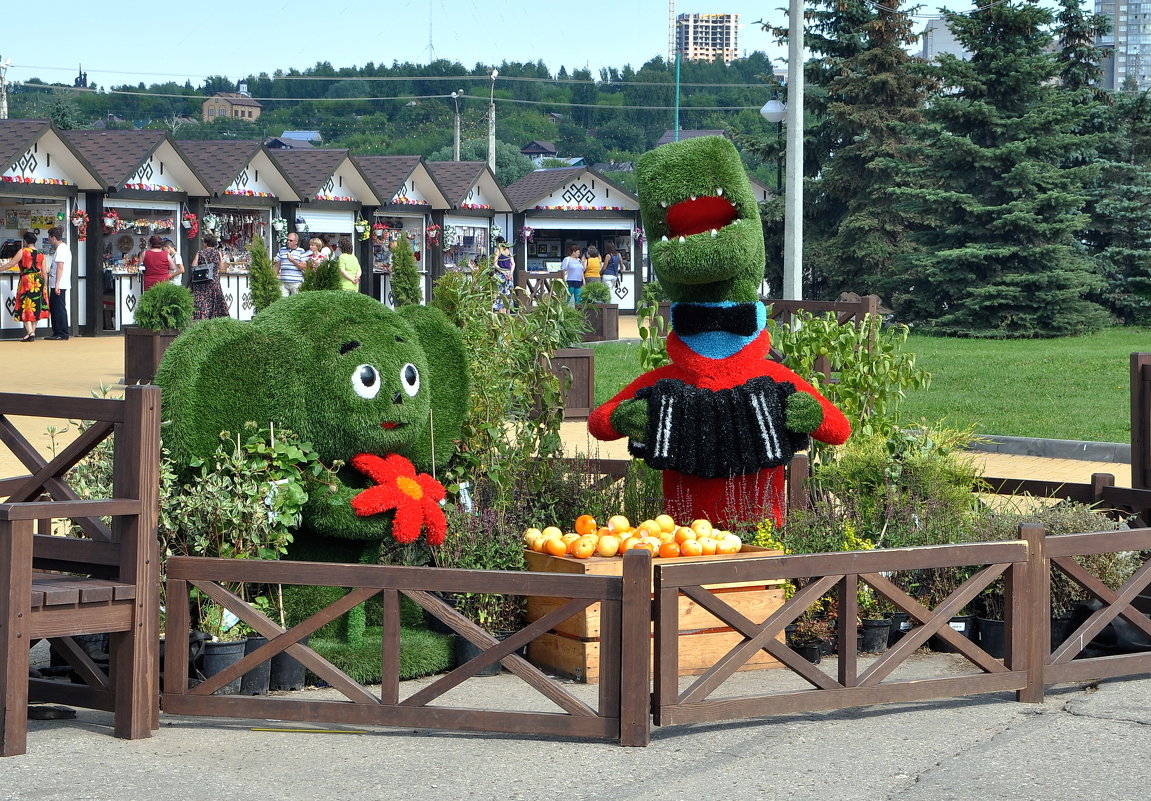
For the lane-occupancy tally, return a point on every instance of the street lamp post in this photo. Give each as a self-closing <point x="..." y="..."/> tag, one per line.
<point x="775" y="111"/>
<point x="793" y="189"/>
<point x="456" y="95"/>
<point x="492" y="123"/>
<point x="4" y="88"/>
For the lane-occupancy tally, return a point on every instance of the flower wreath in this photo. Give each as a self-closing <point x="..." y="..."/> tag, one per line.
<point x="432" y="232"/>
<point x="527" y="234"/>
<point x="192" y="223"/>
<point x="79" y="221"/>
<point x="111" y="221"/>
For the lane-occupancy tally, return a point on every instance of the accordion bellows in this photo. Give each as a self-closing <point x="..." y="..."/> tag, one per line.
<point x="717" y="433"/>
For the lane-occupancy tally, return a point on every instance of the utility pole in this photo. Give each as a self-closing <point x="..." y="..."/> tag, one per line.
<point x="492" y="123"/>
<point x="456" y="95"/>
<point x="793" y="188"/>
<point x="4" y="88"/>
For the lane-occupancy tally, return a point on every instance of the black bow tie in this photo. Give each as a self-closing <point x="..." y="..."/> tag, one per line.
<point x="688" y="319"/>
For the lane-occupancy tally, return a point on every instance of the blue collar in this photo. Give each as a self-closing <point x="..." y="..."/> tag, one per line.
<point x="720" y="344"/>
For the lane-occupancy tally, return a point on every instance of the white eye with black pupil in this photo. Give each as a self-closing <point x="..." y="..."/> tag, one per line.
<point x="410" y="379"/>
<point x="366" y="381"/>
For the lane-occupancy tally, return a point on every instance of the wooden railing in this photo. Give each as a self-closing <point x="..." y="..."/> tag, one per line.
<point x="623" y="696"/>
<point x="1141" y="420"/>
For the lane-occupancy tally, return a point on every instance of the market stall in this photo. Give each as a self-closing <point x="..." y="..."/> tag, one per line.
<point x="411" y="195"/>
<point x="476" y="202"/>
<point x="40" y="189"/>
<point x="575" y="205"/>
<point x="246" y="187"/>
<point x="151" y="181"/>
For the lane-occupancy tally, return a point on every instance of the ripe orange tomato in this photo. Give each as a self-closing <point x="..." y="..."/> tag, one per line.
<point x="649" y="528"/>
<point x="645" y="545"/>
<point x="683" y="533"/>
<point x="583" y="548"/>
<point x="669" y="550"/>
<point x="555" y="546"/>
<point x="727" y="546"/>
<point x="690" y="548"/>
<point x="608" y="545"/>
<point x="707" y="545"/>
<point x="701" y="527"/>
<point x="627" y="543"/>
<point x="585" y="524"/>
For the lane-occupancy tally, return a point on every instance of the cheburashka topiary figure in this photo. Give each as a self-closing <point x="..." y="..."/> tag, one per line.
<point x="384" y="392"/>
<point x="722" y="418"/>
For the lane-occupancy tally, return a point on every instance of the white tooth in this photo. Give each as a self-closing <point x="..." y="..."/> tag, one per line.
<point x="682" y="240"/>
<point x="719" y="191"/>
<point x="714" y="232"/>
<point x="663" y="203"/>
<point x="693" y="197"/>
<point x="663" y="239"/>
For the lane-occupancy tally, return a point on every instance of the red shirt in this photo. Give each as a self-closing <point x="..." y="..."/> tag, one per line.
<point x="156" y="267"/>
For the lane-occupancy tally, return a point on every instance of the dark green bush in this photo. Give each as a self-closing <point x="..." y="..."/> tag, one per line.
<point x="165" y="306"/>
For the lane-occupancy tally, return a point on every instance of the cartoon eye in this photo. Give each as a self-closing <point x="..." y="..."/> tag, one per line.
<point x="410" y="378"/>
<point x="366" y="381"/>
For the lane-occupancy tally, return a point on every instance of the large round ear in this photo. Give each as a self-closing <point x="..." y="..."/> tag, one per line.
<point x="215" y="376"/>
<point x="443" y="345"/>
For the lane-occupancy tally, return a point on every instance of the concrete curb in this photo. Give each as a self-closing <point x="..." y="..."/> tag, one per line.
<point x="1055" y="448"/>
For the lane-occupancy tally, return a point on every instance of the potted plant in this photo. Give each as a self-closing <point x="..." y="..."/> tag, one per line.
<point x="162" y="313"/>
<point x="808" y="636"/>
<point x="602" y="314"/>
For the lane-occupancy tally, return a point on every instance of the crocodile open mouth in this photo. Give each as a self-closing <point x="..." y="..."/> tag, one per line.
<point x="700" y="214"/>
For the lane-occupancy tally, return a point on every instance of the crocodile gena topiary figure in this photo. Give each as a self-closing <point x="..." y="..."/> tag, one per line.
<point x="722" y="419"/>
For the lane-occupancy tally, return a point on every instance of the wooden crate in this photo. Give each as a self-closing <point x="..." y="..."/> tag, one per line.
<point x="573" y="647"/>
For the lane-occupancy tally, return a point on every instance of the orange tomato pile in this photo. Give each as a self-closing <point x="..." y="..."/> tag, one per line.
<point x="663" y="537"/>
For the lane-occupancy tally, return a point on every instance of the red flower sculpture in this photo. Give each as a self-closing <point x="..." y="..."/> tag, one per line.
<point x="415" y="497"/>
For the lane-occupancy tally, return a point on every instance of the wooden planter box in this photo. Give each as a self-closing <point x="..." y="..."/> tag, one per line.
<point x="573" y="647"/>
<point x="143" y="349"/>
<point x="604" y="320"/>
<point x="580" y="363"/>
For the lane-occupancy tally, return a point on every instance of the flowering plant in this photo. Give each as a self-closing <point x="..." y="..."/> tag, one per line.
<point x="79" y="220"/>
<point x="280" y="226"/>
<point x="415" y="497"/>
<point x="496" y="232"/>
<point x="638" y="235"/>
<point x="111" y="221"/>
<point x="301" y="225"/>
<point x="362" y="228"/>
<point x="527" y="234"/>
<point x="192" y="223"/>
<point x="211" y="223"/>
<point x="433" y="233"/>
<point x="452" y="237"/>
<point x="380" y="230"/>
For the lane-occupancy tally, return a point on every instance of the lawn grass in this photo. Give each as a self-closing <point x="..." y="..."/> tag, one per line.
<point x="1072" y="388"/>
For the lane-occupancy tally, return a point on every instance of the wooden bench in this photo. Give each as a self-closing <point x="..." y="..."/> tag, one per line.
<point x="104" y="580"/>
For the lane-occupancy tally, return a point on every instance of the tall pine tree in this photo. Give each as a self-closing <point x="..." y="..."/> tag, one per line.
<point x="1001" y="258"/>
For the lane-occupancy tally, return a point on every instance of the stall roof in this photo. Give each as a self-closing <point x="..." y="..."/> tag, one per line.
<point x="388" y="176"/>
<point x="18" y="138"/>
<point x="458" y="178"/>
<point x="310" y="171"/>
<point x="536" y="186"/>
<point x="119" y="156"/>
<point x="222" y="161"/>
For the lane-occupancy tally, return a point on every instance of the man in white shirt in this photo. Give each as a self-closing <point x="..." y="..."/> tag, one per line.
<point x="290" y="263"/>
<point x="59" y="282"/>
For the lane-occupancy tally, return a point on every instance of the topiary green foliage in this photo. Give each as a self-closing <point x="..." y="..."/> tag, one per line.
<point x="422" y="653"/>
<point x="264" y="282"/>
<point x="405" y="275"/>
<point x="333" y="367"/>
<point x="595" y="293"/>
<point x="325" y="275"/>
<point x="705" y="238"/>
<point x="165" y="306"/>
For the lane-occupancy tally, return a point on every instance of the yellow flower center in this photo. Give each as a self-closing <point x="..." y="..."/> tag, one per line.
<point x="409" y="487"/>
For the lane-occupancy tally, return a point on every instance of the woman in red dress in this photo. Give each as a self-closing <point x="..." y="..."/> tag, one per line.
<point x="32" y="293"/>
<point x="157" y="263"/>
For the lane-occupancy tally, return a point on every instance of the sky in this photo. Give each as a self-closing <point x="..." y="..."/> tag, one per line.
<point x="218" y="37"/>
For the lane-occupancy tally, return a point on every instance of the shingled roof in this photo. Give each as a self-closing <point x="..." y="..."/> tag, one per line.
<point x="237" y="99"/>
<point x="524" y="193"/>
<point x="387" y="174"/>
<point x="115" y="155"/>
<point x="456" y="177"/>
<point x="219" y="161"/>
<point x="309" y="170"/>
<point x="16" y="136"/>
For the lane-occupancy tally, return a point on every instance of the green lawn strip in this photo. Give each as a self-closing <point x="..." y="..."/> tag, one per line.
<point x="1071" y="388"/>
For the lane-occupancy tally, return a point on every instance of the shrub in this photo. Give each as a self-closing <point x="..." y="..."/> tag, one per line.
<point x="405" y="274"/>
<point x="595" y="293"/>
<point x="264" y="282"/>
<point x="165" y="306"/>
<point x="325" y="275"/>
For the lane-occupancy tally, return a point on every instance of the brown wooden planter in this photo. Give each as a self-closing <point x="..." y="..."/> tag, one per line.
<point x="604" y="320"/>
<point x="572" y="649"/>
<point x="665" y="312"/>
<point x="143" y="349"/>
<point x="580" y="397"/>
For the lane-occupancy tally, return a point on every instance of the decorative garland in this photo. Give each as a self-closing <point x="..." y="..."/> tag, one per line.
<point x="362" y="228"/>
<point x="579" y="208"/>
<point x="152" y="187"/>
<point x="19" y="179"/>
<point x="111" y="221"/>
<point x="474" y="206"/>
<point x="527" y="234"/>
<point x="432" y="232"/>
<point x="247" y="193"/>
<point x="192" y="223"/>
<point x="280" y="229"/>
<point x="80" y="223"/>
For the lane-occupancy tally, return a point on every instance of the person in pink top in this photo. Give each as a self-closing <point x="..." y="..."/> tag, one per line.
<point x="157" y="264"/>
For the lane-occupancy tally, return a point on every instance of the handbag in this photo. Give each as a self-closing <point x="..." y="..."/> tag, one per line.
<point x="203" y="271"/>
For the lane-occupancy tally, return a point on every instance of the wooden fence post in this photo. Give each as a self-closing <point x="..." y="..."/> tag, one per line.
<point x="1141" y="420"/>
<point x="15" y="615"/>
<point x="1029" y="613"/>
<point x="635" y="645"/>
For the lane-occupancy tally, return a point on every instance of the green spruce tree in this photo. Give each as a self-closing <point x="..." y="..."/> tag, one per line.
<point x="264" y="281"/>
<point x="405" y="275"/>
<point x="1001" y="258"/>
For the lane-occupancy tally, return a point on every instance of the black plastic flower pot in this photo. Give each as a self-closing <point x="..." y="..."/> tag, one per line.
<point x="875" y="634"/>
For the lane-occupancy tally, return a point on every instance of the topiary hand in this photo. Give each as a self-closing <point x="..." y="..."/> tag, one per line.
<point x="630" y="419"/>
<point x="802" y="413"/>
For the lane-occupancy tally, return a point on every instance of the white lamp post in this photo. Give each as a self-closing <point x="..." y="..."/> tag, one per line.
<point x="793" y="186"/>
<point x="492" y="124"/>
<point x="456" y="95"/>
<point x="775" y="111"/>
